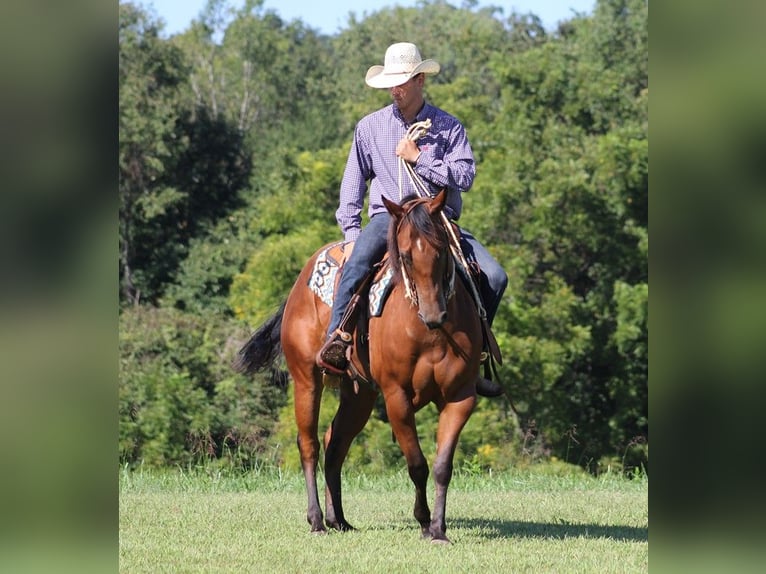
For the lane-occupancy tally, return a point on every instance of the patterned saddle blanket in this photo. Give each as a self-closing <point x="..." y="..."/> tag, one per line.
<point x="325" y="275"/>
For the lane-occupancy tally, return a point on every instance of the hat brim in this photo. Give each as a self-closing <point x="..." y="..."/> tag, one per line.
<point x="377" y="78"/>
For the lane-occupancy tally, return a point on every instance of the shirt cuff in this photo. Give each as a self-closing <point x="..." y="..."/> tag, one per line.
<point x="422" y="165"/>
<point x="352" y="234"/>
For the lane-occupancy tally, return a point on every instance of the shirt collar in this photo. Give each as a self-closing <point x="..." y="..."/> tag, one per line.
<point x="419" y="117"/>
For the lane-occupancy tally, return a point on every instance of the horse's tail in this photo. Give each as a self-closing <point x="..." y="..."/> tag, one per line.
<point x="263" y="348"/>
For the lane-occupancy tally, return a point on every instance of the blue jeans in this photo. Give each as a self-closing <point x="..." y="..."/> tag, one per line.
<point x="370" y="247"/>
<point x="493" y="280"/>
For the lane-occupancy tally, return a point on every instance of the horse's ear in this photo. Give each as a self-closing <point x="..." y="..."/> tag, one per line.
<point x="393" y="208"/>
<point x="437" y="203"/>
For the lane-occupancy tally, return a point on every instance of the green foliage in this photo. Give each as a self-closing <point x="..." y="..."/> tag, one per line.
<point x="151" y="78"/>
<point x="181" y="167"/>
<point x="568" y="218"/>
<point x="271" y="79"/>
<point x="302" y="191"/>
<point x="293" y="219"/>
<point x="233" y="138"/>
<point x="298" y="194"/>
<point x="271" y="273"/>
<point x="179" y="400"/>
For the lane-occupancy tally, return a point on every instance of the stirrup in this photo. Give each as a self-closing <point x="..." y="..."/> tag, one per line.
<point x="333" y="356"/>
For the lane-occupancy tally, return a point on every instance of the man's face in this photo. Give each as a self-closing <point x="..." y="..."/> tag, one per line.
<point x="408" y="93"/>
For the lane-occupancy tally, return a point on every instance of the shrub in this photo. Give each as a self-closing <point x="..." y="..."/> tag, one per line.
<point x="180" y="402"/>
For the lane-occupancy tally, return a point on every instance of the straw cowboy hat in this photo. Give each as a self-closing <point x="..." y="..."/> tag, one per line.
<point x="402" y="62"/>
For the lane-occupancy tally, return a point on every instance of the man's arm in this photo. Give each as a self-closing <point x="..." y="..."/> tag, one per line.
<point x="352" y="190"/>
<point x="455" y="169"/>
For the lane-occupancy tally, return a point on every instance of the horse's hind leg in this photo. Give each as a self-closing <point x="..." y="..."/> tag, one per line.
<point x="452" y="419"/>
<point x="352" y="415"/>
<point x="308" y="395"/>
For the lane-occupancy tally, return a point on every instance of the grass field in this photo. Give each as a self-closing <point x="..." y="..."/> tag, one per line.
<point x="506" y="522"/>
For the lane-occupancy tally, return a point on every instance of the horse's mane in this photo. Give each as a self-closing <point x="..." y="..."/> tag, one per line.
<point x="417" y="216"/>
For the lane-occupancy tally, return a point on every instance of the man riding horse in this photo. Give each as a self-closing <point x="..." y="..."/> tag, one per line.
<point x="383" y="148"/>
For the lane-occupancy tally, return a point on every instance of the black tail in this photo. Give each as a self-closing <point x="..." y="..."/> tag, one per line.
<point x="263" y="348"/>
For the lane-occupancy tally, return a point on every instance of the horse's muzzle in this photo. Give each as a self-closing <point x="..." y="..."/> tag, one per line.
<point x="434" y="322"/>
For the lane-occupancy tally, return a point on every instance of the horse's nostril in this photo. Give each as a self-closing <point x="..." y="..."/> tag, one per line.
<point x="434" y="323"/>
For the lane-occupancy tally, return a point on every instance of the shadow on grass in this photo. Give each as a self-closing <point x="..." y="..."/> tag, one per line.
<point x="515" y="529"/>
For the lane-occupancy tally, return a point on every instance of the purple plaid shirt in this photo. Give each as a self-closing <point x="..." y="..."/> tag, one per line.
<point x="446" y="160"/>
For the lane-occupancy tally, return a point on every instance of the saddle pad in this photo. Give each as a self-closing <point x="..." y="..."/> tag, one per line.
<point x="379" y="292"/>
<point x="325" y="274"/>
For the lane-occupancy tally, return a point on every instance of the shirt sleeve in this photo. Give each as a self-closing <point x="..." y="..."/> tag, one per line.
<point x="456" y="168"/>
<point x="353" y="188"/>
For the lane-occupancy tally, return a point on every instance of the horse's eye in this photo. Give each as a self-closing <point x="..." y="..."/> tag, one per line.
<point x="407" y="259"/>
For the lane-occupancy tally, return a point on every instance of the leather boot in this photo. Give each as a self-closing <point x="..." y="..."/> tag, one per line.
<point x="333" y="354"/>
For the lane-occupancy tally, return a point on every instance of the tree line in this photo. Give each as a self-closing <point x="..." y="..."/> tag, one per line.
<point x="233" y="137"/>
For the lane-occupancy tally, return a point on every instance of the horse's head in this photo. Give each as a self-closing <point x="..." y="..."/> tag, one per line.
<point x="420" y="254"/>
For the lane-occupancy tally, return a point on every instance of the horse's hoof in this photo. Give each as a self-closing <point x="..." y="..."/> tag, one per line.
<point x="435" y="538"/>
<point x="341" y="526"/>
<point x="318" y="531"/>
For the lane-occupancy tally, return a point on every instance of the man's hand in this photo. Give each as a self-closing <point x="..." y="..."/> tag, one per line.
<point x="407" y="150"/>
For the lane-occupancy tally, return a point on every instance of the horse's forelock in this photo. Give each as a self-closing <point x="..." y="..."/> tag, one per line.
<point x="421" y="219"/>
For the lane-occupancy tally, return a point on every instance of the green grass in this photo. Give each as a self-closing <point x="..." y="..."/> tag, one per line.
<point x="524" y="521"/>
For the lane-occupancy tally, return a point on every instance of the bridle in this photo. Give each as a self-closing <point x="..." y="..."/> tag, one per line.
<point x="410" y="291"/>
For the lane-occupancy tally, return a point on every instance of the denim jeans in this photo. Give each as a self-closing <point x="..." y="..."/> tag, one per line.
<point x="493" y="279"/>
<point x="370" y="247"/>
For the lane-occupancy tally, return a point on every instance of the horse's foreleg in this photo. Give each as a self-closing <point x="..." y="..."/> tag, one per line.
<point x="308" y="397"/>
<point x="352" y="415"/>
<point x="452" y="419"/>
<point x="401" y="415"/>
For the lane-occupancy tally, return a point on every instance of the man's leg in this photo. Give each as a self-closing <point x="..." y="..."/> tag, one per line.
<point x="494" y="278"/>
<point x="493" y="282"/>
<point x="369" y="248"/>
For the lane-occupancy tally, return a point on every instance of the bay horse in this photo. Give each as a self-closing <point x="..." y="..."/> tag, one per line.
<point x="424" y="348"/>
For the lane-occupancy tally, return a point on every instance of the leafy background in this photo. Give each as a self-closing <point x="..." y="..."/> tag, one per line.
<point x="232" y="141"/>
